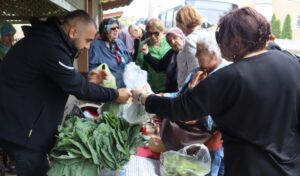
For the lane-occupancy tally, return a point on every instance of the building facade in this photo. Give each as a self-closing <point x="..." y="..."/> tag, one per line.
<point x="281" y="8"/>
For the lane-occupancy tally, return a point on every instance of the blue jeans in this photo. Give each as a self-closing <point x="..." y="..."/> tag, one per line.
<point x="217" y="163"/>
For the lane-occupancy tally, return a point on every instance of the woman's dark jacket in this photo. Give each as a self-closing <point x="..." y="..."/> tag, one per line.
<point x="167" y="65"/>
<point x="136" y="44"/>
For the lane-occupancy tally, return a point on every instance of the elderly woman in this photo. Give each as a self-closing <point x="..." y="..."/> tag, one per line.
<point x="7" y="32"/>
<point x="110" y="50"/>
<point x="249" y="100"/>
<point x="198" y="131"/>
<point x="188" y="19"/>
<point x="167" y="63"/>
<point x="157" y="46"/>
<point x="139" y="35"/>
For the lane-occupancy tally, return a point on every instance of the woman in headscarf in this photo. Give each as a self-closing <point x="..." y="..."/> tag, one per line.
<point x="167" y="63"/>
<point x="110" y="50"/>
<point x="7" y="32"/>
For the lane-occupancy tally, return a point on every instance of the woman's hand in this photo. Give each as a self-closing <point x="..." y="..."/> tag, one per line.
<point x="215" y="142"/>
<point x="140" y="95"/>
<point x="124" y="95"/>
<point x="145" y="49"/>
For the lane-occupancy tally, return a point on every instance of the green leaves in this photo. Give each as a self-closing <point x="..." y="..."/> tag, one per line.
<point x="80" y="168"/>
<point x="85" y="147"/>
<point x="287" y="28"/>
<point x="276" y="26"/>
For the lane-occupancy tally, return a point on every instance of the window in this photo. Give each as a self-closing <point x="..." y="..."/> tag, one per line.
<point x="162" y="17"/>
<point x="169" y="18"/>
<point x="174" y="17"/>
<point x="298" y="22"/>
<point x="211" y="11"/>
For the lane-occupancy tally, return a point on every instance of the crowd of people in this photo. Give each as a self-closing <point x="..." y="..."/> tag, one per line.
<point x="248" y="100"/>
<point x="221" y="87"/>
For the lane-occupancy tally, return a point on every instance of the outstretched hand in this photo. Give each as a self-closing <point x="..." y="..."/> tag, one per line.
<point x="124" y="95"/>
<point x="145" y="49"/>
<point x="140" y="95"/>
<point x="215" y="142"/>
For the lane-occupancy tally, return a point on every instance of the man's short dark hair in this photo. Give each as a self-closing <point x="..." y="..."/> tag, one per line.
<point x="79" y="15"/>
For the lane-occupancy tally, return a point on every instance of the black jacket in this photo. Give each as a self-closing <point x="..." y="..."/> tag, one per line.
<point x="168" y="65"/>
<point x="35" y="80"/>
<point x="136" y="45"/>
<point x="256" y="104"/>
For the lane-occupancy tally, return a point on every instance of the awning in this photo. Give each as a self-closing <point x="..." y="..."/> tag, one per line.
<point x="110" y="4"/>
<point x="20" y="11"/>
<point x="113" y="14"/>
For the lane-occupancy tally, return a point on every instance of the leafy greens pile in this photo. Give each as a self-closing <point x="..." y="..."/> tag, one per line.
<point x="85" y="147"/>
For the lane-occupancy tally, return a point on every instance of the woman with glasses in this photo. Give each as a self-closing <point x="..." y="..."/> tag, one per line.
<point x="254" y="101"/>
<point x="110" y="50"/>
<point x="157" y="46"/>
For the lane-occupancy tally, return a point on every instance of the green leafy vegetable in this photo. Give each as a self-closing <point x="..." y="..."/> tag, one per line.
<point x="87" y="147"/>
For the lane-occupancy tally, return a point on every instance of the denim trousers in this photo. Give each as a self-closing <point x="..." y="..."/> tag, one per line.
<point x="217" y="163"/>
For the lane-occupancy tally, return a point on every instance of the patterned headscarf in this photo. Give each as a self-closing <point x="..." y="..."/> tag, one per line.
<point x="104" y="27"/>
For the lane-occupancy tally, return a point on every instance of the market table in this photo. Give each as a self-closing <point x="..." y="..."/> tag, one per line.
<point x="141" y="166"/>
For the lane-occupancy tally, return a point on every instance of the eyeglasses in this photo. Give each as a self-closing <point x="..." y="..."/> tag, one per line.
<point x="156" y="34"/>
<point x="114" y="28"/>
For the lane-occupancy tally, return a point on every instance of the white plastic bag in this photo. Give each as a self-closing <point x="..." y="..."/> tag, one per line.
<point x="192" y="160"/>
<point x="134" y="78"/>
